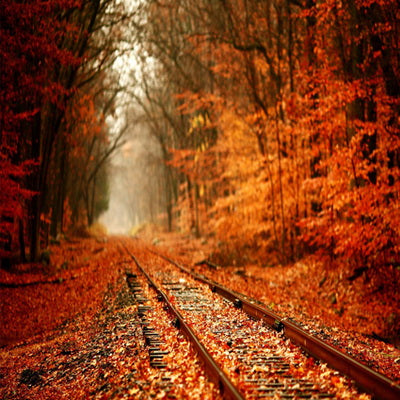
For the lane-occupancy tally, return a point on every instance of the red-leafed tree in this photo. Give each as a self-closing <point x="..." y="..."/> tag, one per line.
<point x="355" y="128"/>
<point x="32" y="49"/>
<point x="50" y="51"/>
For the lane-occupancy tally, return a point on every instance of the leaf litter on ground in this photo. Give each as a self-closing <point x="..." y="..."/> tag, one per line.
<point x="68" y="329"/>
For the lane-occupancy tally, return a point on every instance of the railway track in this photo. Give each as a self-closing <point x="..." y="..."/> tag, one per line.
<point x="247" y="350"/>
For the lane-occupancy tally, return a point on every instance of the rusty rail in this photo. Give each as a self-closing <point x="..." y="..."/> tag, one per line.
<point x="367" y="379"/>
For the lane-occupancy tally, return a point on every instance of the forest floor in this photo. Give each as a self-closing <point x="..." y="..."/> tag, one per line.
<point x="55" y="316"/>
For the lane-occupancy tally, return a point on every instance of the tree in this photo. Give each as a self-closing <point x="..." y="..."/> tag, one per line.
<point x="284" y="122"/>
<point x="357" y="189"/>
<point x="52" y="52"/>
<point x="31" y="49"/>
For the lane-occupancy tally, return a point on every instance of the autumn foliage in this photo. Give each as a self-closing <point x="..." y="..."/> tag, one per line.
<point x="54" y="61"/>
<point x="29" y="52"/>
<point x="278" y="121"/>
<point x="285" y="129"/>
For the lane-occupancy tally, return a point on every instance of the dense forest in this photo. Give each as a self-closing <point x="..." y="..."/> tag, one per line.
<point x="278" y="121"/>
<point x="57" y="90"/>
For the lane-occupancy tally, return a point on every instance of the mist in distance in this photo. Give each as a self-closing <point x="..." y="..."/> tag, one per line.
<point x="135" y="179"/>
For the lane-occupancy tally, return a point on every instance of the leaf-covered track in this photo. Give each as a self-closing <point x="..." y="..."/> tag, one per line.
<point x="172" y="369"/>
<point x="372" y="382"/>
<point x="367" y="379"/>
<point x="215" y="373"/>
<point x="251" y="360"/>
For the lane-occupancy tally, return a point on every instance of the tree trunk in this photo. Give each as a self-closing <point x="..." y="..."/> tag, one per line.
<point x="21" y="240"/>
<point x="35" y="203"/>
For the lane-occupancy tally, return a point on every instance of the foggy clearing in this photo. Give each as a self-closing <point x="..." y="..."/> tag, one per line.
<point x="136" y="174"/>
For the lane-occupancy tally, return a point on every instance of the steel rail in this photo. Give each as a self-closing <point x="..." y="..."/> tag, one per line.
<point x="215" y="373"/>
<point x="365" y="378"/>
